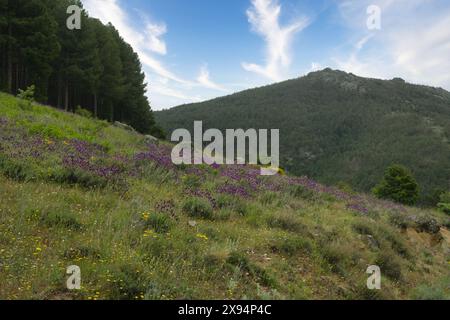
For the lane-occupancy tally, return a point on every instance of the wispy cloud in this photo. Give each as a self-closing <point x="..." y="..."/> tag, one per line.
<point x="264" y="17"/>
<point x="204" y="80"/>
<point x="414" y="42"/>
<point x="148" y="41"/>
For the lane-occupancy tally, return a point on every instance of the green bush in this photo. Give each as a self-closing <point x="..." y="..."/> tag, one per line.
<point x="241" y="261"/>
<point x="15" y="170"/>
<point x="60" y="219"/>
<point x="302" y="192"/>
<point x="292" y="246"/>
<point x="192" y="181"/>
<point x="390" y="265"/>
<point x="159" y="222"/>
<point x="428" y="225"/>
<point x="198" y="208"/>
<point x="444" y="203"/>
<point x="78" y="177"/>
<point x="399" y="185"/>
<point x="287" y="222"/>
<point x="83" y="112"/>
<point x="26" y="97"/>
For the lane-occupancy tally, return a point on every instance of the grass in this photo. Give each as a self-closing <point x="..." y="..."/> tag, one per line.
<point x="133" y="238"/>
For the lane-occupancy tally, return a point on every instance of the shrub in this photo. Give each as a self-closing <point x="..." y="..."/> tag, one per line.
<point x="78" y="177"/>
<point x="191" y="181"/>
<point x="292" y="245"/>
<point x="26" y="97"/>
<point x="287" y="222"/>
<point x="389" y="265"/>
<point x="337" y="255"/>
<point x="444" y="203"/>
<point x="83" y="112"/>
<point x="15" y="170"/>
<point x="400" y="220"/>
<point x="428" y="224"/>
<point x="198" y="208"/>
<point x="60" y="219"/>
<point x="363" y="228"/>
<point x="129" y="283"/>
<point x="241" y="261"/>
<point x="159" y="222"/>
<point x="399" y="185"/>
<point x="302" y="192"/>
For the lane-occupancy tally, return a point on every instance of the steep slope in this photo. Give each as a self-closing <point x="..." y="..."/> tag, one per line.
<point x="339" y="127"/>
<point x="78" y="191"/>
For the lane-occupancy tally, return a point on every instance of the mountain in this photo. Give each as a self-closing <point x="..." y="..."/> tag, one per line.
<point x="337" y="127"/>
<point x="77" y="191"/>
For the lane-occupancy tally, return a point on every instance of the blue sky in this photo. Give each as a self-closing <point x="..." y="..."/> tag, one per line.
<point x="194" y="50"/>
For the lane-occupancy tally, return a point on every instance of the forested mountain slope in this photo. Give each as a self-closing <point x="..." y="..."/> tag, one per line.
<point x="337" y="127"/>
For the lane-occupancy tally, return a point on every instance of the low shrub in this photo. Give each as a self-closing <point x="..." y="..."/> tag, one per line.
<point x="198" y="208"/>
<point x="302" y="192"/>
<point x="60" y="219"/>
<point x="241" y="261"/>
<point x="159" y="222"/>
<point x="287" y="222"/>
<point x="428" y="225"/>
<point x="390" y="265"/>
<point x="83" y="112"/>
<point x="15" y="170"/>
<point x="292" y="246"/>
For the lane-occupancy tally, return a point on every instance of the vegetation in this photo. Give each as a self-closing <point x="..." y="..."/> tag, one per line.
<point x="91" y="67"/>
<point x="78" y="191"/>
<point x="398" y="185"/>
<point x="337" y="127"/>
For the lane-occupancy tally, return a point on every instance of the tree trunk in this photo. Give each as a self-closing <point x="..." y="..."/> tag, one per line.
<point x="58" y="88"/>
<point x="9" y="60"/>
<point x="66" y="99"/>
<point x="95" y="105"/>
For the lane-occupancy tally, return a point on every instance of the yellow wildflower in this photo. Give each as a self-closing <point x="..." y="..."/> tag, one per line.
<point x="202" y="236"/>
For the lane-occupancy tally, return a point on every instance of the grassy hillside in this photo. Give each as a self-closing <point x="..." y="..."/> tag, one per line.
<point x="76" y="191"/>
<point x="337" y="127"/>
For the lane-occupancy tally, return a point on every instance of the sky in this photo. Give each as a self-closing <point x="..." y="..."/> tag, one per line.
<point x="196" y="50"/>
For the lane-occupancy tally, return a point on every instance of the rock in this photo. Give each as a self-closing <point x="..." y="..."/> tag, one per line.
<point x="124" y="126"/>
<point x="372" y="242"/>
<point x="150" y="139"/>
<point x="192" y="223"/>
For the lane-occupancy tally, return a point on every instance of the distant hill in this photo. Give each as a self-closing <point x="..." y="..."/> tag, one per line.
<point x="338" y="127"/>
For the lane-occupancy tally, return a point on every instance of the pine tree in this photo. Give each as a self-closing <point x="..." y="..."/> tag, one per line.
<point x="399" y="185"/>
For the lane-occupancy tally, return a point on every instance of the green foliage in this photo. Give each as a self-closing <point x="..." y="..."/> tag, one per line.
<point x="93" y="66"/>
<point x="26" y="97"/>
<point x="292" y="246"/>
<point x="27" y="94"/>
<point x="83" y="112"/>
<point x="60" y="219"/>
<point x="444" y="204"/>
<point x="399" y="185"/>
<point x="286" y="221"/>
<point x="159" y="222"/>
<point x="198" y="208"/>
<point x="390" y="265"/>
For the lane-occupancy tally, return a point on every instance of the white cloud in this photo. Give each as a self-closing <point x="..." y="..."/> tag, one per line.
<point x="154" y="32"/>
<point x="148" y="41"/>
<point x="264" y="16"/>
<point x="414" y="42"/>
<point x="204" y="79"/>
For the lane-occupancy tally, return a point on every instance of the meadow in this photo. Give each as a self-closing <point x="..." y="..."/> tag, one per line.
<point x="80" y="191"/>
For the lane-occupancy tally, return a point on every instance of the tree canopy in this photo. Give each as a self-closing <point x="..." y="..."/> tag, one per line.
<point x="92" y="67"/>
